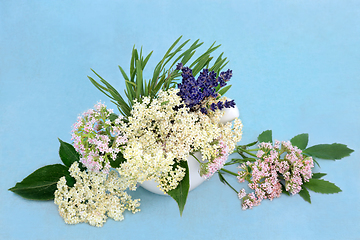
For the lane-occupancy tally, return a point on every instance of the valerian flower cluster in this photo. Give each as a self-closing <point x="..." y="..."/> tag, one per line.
<point x="266" y="173"/>
<point x="97" y="139"/>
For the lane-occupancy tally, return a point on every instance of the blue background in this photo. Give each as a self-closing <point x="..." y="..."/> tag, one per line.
<point x="296" y="69"/>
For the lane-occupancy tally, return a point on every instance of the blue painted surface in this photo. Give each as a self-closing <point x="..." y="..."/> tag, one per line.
<point x="296" y="68"/>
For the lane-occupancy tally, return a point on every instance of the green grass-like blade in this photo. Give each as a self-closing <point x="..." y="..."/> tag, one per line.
<point x="134" y="58"/>
<point x="223" y="90"/>
<point x="177" y="50"/>
<point x="139" y="81"/>
<point x="187" y="55"/>
<point x="114" y="95"/>
<point x="98" y="86"/>
<point x="218" y="63"/>
<point x="123" y="73"/>
<point x="146" y="59"/>
<point x="206" y="53"/>
<point x="222" y="66"/>
<point x="201" y="64"/>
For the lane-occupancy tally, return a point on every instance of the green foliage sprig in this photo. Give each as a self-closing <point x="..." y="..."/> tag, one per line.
<point x="42" y="183"/>
<point x="333" y="151"/>
<point x="164" y="77"/>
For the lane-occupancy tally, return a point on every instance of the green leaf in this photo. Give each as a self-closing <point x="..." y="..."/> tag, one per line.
<point x="123" y="73"/>
<point x="205" y="55"/>
<point x="113" y="117"/>
<point x="318" y="175"/>
<point x="265" y="136"/>
<point x="321" y="186"/>
<point x="300" y="140"/>
<point x="219" y="61"/>
<point x="147" y="59"/>
<point x="41" y="184"/>
<point x="188" y="54"/>
<point x="180" y="193"/>
<point x="203" y="61"/>
<point x="223" y="90"/>
<point x="132" y="62"/>
<point x="119" y="160"/>
<point x="131" y="83"/>
<point x="139" y="80"/>
<point x="304" y="193"/>
<point x="100" y="87"/>
<point x="68" y="153"/>
<point x="329" y="151"/>
<point x="122" y="105"/>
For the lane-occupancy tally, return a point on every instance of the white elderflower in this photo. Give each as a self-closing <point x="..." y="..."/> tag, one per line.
<point x="162" y="132"/>
<point x="93" y="198"/>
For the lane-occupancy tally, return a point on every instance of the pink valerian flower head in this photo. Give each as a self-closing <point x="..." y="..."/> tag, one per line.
<point x="299" y="170"/>
<point x="97" y="139"/>
<point x="306" y="170"/>
<point x="288" y="147"/>
<point x="241" y="194"/>
<point x="264" y="176"/>
<point x="277" y="145"/>
<point x="241" y="176"/>
<point x="271" y="187"/>
<point x="219" y="162"/>
<point x="265" y="146"/>
<point x="250" y="201"/>
<point x="260" y="153"/>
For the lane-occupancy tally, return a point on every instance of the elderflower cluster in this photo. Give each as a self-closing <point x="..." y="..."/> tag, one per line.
<point x="265" y="174"/>
<point x="93" y="198"/>
<point x="97" y="139"/>
<point x="161" y="132"/>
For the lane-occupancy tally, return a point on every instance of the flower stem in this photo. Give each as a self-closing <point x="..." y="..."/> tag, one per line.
<point x="195" y="157"/>
<point x="246" y="151"/>
<point x="253" y="149"/>
<point x="227" y="171"/>
<point x="226" y="182"/>
<point x="249" y="145"/>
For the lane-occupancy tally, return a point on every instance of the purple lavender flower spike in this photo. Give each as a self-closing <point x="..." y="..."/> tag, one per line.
<point x="196" y="92"/>
<point x="220" y="105"/>
<point x="230" y="104"/>
<point x="226" y="75"/>
<point x="213" y="107"/>
<point x="179" y="66"/>
<point x="203" y="110"/>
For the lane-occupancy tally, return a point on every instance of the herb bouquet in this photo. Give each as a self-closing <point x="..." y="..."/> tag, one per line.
<point x="162" y="121"/>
